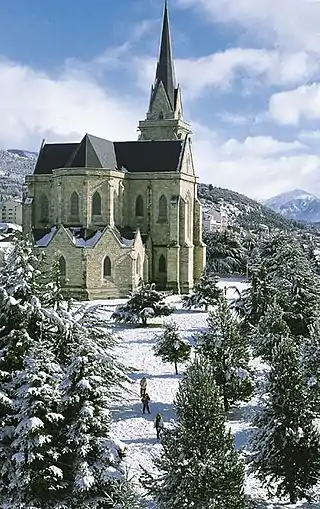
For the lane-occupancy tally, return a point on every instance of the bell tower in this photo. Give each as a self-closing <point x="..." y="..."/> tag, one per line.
<point x="164" y="119"/>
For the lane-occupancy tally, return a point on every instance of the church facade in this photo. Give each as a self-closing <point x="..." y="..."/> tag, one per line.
<point x="118" y="212"/>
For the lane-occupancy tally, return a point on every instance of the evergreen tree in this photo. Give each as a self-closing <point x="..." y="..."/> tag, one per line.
<point x="310" y="361"/>
<point x="205" y="293"/>
<point x="92" y="459"/>
<point x="271" y="328"/>
<point x="287" y="445"/>
<point x="34" y="452"/>
<point x="171" y="347"/>
<point x="199" y="466"/>
<point x="225" y="252"/>
<point x="143" y="303"/>
<point x="228" y="353"/>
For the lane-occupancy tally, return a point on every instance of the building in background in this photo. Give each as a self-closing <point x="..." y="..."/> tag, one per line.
<point x="215" y="220"/>
<point x="11" y="212"/>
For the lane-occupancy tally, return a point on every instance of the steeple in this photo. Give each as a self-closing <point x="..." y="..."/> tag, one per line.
<point x="165" y="67"/>
<point x="164" y="120"/>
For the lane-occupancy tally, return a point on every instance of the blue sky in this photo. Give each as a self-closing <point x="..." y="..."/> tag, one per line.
<point x="249" y="71"/>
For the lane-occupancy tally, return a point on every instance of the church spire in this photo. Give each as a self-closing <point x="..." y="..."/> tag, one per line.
<point x="165" y="68"/>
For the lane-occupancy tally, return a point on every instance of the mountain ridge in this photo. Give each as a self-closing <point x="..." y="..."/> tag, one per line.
<point x="297" y="204"/>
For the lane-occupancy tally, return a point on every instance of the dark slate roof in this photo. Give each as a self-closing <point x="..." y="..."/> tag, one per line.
<point x="93" y="152"/>
<point x="53" y="156"/>
<point x="152" y="156"/>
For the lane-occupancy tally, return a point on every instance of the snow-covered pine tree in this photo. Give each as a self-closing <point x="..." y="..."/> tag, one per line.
<point x="171" y="346"/>
<point x="286" y="447"/>
<point x="198" y="466"/>
<point x="205" y="293"/>
<point x="229" y="354"/>
<point x="310" y="364"/>
<point x="270" y="330"/>
<point x="92" y="459"/>
<point x="21" y="328"/>
<point x="143" y="303"/>
<point x="34" y="452"/>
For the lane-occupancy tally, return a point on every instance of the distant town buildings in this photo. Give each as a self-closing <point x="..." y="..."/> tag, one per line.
<point x="11" y="212"/>
<point x="215" y="220"/>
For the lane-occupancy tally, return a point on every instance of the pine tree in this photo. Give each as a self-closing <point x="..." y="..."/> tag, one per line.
<point x="199" y="466"/>
<point x="228" y="352"/>
<point x="171" y="347"/>
<point x="286" y="447"/>
<point x="143" y="303"/>
<point x="271" y="328"/>
<point x="38" y="478"/>
<point x="205" y="293"/>
<point x="310" y="364"/>
<point x="92" y="459"/>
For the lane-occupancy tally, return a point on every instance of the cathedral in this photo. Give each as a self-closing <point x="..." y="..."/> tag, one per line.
<point x="115" y="213"/>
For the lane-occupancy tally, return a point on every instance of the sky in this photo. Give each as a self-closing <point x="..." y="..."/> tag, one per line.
<point x="249" y="72"/>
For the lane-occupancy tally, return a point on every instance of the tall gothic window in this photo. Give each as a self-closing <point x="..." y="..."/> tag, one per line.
<point x="96" y="204"/>
<point x="74" y="204"/>
<point x="63" y="268"/>
<point x="138" y="265"/>
<point x="162" y="265"/>
<point x="139" y="206"/>
<point x="163" y="208"/>
<point x="107" y="267"/>
<point x="44" y="209"/>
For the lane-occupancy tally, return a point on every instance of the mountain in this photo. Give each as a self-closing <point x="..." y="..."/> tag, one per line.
<point x="244" y="212"/>
<point x="297" y="204"/>
<point x="15" y="164"/>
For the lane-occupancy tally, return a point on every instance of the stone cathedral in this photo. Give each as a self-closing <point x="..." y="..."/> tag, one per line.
<point x="114" y="213"/>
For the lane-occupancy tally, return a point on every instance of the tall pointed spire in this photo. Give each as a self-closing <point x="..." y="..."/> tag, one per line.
<point x="165" y="67"/>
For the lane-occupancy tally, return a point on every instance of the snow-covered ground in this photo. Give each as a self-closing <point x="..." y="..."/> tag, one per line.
<point x="137" y="430"/>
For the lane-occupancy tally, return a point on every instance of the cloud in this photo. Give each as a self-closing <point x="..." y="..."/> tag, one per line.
<point x="34" y="105"/>
<point x="221" y="69"/>
<point x="259" y="146"/>
<point x="290" y="24"/>
<point x="289" y="107"/>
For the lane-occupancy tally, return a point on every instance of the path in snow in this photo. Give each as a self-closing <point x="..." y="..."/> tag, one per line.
<point x="137" y="430"/>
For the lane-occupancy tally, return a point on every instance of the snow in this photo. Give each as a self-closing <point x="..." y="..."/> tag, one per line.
<point x="135" y="430"/>
<point x="80" y="242"/>
<point x="46" y="239"/>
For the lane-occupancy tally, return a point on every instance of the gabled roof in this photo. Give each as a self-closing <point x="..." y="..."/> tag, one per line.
<point x="93" y="152"/>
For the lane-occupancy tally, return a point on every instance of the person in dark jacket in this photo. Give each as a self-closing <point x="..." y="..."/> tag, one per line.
<point x="159" y="425"/>
<point x="145" y="402"/>
<point x="143" y="386"/>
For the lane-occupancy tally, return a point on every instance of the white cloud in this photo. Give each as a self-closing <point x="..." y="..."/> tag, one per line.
<point x="290" y="107"/>
<point x="292" y="24"/>
<point x="221" y="69"/>
<point x="34" y="105"/>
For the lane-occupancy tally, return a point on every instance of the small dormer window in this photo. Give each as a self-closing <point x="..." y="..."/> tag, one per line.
<point x="161" y="115"/>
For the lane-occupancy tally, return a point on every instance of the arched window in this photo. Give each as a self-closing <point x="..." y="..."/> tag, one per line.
<point x="162" y="265"/>
<point x="139" y="206"/>
<point x="62" y="268"/>
<point x="74" y="204"/>
<point x="96" y="204"/>
<point x="161" y="115"/>
<point x="107" y="267"/>
<point x="44" y="209"/>
<point x="163" y="208"/>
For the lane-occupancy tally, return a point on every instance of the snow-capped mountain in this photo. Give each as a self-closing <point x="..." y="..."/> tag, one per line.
<point x="15" y="164"/>
<point x="297" y="204"/>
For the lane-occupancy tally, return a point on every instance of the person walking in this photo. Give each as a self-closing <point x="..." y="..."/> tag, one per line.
<point x="145" y="402"/>
<point x="159" y="425"/>
<point x="143" y="386"/>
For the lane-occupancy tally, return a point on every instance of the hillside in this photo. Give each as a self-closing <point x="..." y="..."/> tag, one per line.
<point x="15" y="164"/>
<point x="243" y="211"/>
